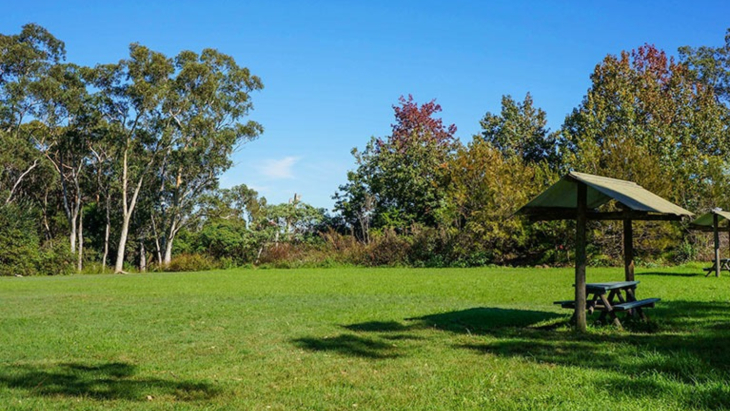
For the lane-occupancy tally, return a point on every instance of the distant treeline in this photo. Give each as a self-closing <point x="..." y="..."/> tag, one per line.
<point x="117" y="165"/>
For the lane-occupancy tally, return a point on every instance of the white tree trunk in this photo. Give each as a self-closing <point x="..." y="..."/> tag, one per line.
<point x="168" y="244"/>
<point x="17" y="182"/>
<point x="158" y="248"/>
<point x="142" y="257"/>
<point x="128" y="210"/>
<point x="168" y="254"/>
<point x="81" y="242"/>
<point x="107" y="230"/>
<point x="119" y="265"/>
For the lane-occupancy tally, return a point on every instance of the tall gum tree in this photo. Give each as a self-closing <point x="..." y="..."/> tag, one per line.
<point x="207" y="100"/>
<point x="25" y="61"/>
<point x="133" y="91"/>
<point x="68" y="121"/>
<point x="173" y="124"/>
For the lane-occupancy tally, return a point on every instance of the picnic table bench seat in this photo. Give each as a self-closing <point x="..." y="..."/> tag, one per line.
<point x="569" y="303"/>
<point x="630" y="305"/>
<point x="647" y="302"/>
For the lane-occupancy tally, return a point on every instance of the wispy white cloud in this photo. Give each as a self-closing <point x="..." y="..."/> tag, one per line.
<point x="278" y="169"/>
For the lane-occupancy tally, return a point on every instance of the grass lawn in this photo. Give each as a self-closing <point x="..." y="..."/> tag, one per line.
<point x="334" y="339"/>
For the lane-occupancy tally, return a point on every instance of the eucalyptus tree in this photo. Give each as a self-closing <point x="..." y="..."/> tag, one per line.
<point x="68" y="121"/>
<point x="25" y="61"/>
<point x="131" y="96"/>
<point x="102" y="170"/>
<point x="208" y="98"/>
<point x="173" y="123"/>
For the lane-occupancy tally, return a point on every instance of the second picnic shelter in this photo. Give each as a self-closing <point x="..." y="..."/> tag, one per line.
<point x="710" y="221"/>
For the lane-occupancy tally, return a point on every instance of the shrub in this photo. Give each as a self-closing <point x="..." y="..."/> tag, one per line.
<point x="56" y="259"/>
<point x="191" y="262"/>
<point x="386" y="248"/>
<point x="685" y="252"/>
<point x="19" y="241"/>
<point x="21" y="251"/>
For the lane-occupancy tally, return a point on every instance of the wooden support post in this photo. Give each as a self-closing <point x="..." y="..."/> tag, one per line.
<point x="715" y="230"/>
<point x="628" y="250"/>
<point x="580" y="258"/>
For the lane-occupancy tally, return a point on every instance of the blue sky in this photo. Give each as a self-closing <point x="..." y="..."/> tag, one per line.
<point x="332" y="70"/>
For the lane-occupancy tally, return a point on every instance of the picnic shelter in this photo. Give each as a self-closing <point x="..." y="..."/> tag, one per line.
<point x="577" y="196"/>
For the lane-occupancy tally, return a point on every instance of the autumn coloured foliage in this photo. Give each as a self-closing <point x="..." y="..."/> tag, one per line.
<point x="417" y="123"/>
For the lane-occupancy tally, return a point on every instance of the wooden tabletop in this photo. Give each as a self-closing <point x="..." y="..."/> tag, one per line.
<point x="604" y="287"/>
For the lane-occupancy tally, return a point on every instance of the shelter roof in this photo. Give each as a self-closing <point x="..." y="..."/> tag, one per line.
<point x="705" y="220"/>
<point x="562" y="197"/>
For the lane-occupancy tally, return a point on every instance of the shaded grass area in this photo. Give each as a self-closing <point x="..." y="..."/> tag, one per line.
<point x="358" y="338"/>
<point x="108" y="381"/>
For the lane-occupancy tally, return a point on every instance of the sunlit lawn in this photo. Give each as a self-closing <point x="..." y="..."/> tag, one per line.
<point x="422" y="339"/>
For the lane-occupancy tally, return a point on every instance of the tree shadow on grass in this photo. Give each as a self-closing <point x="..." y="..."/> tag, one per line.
<point x="390" y="339"/>
<point x="110" y="381"/>
<point x="378" y="326"/>
<point x="488" y="320"/>
<point x="351" y="345"/>
<point x="686" y="355"/>
<point x="682" y="356"/>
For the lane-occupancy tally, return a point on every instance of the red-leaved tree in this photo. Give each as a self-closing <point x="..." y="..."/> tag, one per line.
<point x="400" y="178"/>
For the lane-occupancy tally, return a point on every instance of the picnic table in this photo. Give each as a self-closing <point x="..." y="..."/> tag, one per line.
<point x="612" y="297"/>
<point x="724" y="265"/>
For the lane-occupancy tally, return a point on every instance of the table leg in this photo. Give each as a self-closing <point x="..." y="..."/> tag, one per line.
<point x="630" y="297"/>
<point x="609" y="311"/>
<point x="592" y="304"/>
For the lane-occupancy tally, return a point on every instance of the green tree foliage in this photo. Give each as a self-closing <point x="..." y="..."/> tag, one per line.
<point x="485" y="186"/>
<point x="646" y="119"/>
<point x="26" y="60"/>
<point x="175" y="122"/>
<point x="399" y="179"/>
<point x="21" y="249"/>
<point x="295" y="220"/>
<point x="239" y="225"/>
<point x="712" y="65"/>
<point x="131" y="95"/>
<point x="208" y="97"/>
<point x="149" y="131"/>
<point x="127" y="156"/>
<point x="521" y="130"/>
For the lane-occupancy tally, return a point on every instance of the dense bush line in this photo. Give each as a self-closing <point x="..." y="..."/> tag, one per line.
<point x="120" y="162"/>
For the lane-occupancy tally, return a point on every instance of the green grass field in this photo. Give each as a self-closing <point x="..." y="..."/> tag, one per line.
<point x="334" y="339"/>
